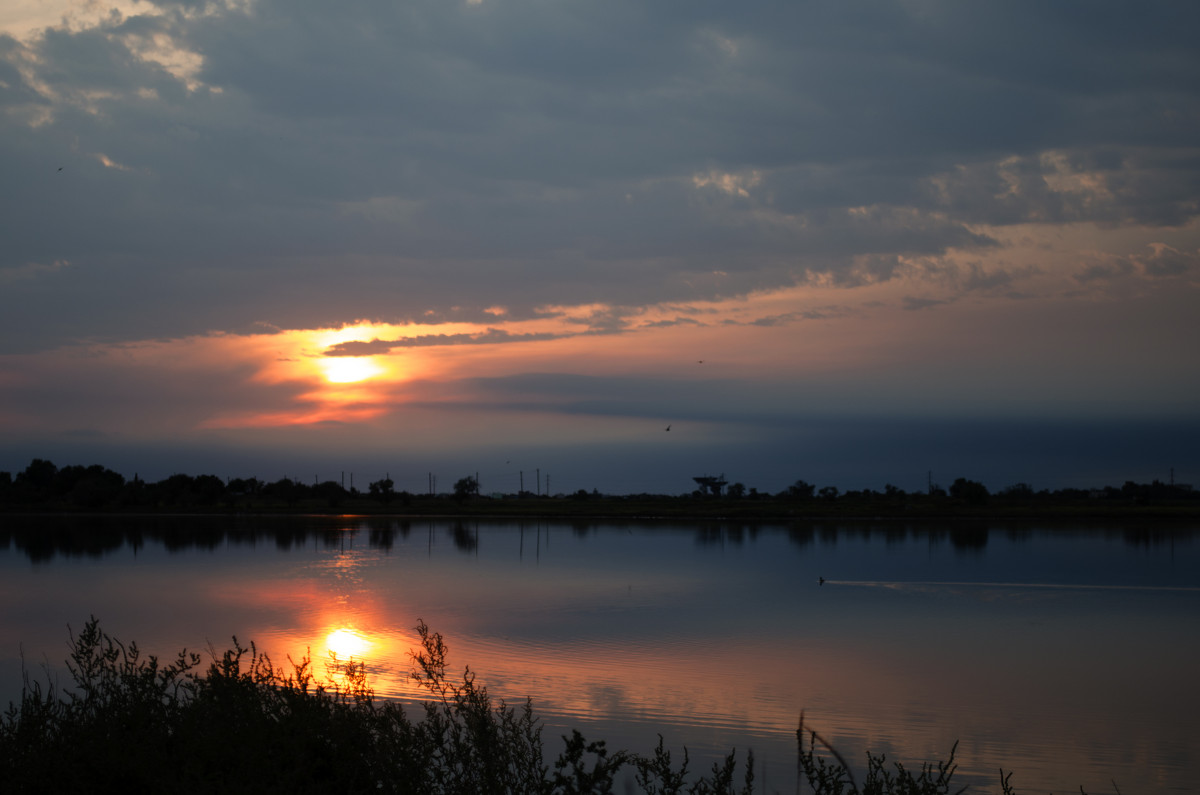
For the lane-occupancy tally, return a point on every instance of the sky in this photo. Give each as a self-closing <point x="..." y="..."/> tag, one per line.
<point x="854" y="243"/>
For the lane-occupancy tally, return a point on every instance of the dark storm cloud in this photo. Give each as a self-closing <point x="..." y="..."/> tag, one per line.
<point x="312" y="165"/>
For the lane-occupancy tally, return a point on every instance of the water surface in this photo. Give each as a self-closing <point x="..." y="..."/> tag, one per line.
<point x="1066" y="654"/>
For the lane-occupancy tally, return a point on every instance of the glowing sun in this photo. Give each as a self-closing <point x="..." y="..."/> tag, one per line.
<point x="349" y="369"/>
<point x="347" y="643"/>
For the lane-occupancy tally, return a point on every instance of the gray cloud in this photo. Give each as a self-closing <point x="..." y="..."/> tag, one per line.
<point x="311" y="165"/>
<point x="676" y="321"/>
<point x="1166" y="261"/>
<point x="1161" y="262"/>
<point x="1104" y="271"/>
<point x="377" y="346"/>
<point x="916" y="303"/>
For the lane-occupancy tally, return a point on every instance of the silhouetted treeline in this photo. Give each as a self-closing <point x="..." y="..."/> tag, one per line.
<point x="44" y="486"/>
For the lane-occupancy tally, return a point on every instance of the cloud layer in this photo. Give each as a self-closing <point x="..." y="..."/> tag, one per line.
<point x="477" y="174"/>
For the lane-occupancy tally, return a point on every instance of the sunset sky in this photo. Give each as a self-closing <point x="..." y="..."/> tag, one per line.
<point x="853" y="243"/>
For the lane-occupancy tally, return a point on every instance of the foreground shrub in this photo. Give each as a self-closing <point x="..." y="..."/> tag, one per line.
<point x="831" y="774"/>
<point x="136" y="724"/>
<point x="133" y="723"/>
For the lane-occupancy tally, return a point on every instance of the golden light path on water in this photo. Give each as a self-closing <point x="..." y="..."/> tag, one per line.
<point x="343" y="621"/>
<point x="354" y="601"/>
<point x="347" y="643"/>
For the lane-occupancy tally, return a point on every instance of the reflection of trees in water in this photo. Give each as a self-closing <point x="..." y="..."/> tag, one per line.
<point x="1018" y="533"/>
<point x="465" y="538"/>
<point x="1149" y="536"/>
<point x="719" y="534"/>
<point x="91" y="536"/>
<point x="381" y="533"/>
<point x="43" y="537"/>
<point x="969" y="539"/>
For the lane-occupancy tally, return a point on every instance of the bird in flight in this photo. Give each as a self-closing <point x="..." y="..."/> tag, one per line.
<point x="668" y="427"/>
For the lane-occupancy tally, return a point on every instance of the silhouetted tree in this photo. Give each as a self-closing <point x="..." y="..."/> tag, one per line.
<point x="800" y="490"/>
<point x="970" y="491"/>
<point x="737" y="491"/>
<point x="710" y="484"/>
<point x="466" y="487"/>
<point x="36" y="482"/>
<point x="248" y="487"/>
<point x="1022" y="491"/>
<point x="209" y="489"/>
<point x="284" y="489"/>
<point x="175" y="490"/>
<point x="382" y="490"/>
<point x="94" y="486"/>
<point x="332" y="492"/>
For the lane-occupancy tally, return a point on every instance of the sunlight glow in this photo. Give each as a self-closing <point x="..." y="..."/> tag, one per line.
<point x="349" y="369"/>
<point x="347" y="643"/>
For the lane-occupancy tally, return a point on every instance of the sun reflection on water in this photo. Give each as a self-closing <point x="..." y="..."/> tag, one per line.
<point x="347" y="643"/>
<point x="380" y="657"/>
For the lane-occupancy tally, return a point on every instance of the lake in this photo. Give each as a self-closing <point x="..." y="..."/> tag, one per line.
<point x="1067" y="654"/>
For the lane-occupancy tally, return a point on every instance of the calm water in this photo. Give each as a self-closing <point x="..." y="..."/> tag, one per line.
<point x="1068" y="655"/>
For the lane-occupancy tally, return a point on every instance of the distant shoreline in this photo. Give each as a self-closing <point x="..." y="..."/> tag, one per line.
<point x="669" y="509"/>
<point x="44" y="488"/>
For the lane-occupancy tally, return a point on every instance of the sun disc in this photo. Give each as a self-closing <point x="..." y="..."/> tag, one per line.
<point x="349" y="369"/>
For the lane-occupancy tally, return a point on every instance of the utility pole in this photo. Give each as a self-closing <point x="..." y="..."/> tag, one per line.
<point x="538" y="483"/>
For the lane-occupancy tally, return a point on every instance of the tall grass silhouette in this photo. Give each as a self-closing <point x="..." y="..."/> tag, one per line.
<point x="133" y="722"/>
